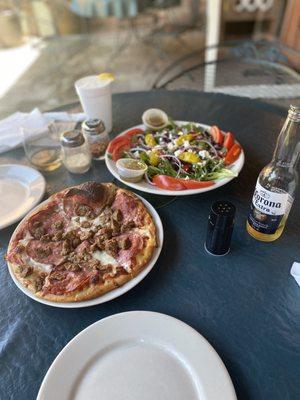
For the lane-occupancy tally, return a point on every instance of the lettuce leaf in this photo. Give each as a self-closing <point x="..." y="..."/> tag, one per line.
<point x="220" y="174"/>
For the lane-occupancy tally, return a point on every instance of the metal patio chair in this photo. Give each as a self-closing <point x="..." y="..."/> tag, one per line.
<point x="255" y="69"/>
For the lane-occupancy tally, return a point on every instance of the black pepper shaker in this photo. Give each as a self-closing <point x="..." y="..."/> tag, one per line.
<point x="220" y="227"/>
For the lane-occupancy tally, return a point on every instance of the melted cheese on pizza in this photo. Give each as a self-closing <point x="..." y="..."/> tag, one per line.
<point x="44" y="267"/>
<point x="26" y="239"/>
<point x="105" y="258"/>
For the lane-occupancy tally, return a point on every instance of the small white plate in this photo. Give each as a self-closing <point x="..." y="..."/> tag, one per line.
<point x="21" y="188"/>
<point x="137" y="355"/>
<point x="144" y="186"/>
<point x="115" y="292"/>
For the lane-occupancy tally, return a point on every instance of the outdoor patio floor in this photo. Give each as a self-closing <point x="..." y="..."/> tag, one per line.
<point x="135" y="57"/>
<point x="135" y="61"/>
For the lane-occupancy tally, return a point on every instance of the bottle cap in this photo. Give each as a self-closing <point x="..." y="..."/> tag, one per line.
<point x="72" y="138"/>
<point x="220" y="227"/>
<point x="294" y="113"/>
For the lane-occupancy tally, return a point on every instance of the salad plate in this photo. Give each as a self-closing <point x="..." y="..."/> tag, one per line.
<point x="210" y="164"/>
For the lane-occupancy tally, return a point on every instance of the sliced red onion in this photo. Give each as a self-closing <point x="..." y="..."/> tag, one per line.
<point x="142" y="144"/>
<point x="165" y="140"/>
<point x="171" y="156"/>
<point x="177" y="161"/>
<point x="161" y="135"/>
<point x="192" y="147"/>
<point x="148" y="179"/>
<point x="137" y="149"/>
<point x="217" y="146"/>
<point x="211" y="146"/>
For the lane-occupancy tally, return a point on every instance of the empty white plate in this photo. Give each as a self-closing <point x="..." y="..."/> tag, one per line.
<point x="137" y="355"/>
<point x="21" y="188"/>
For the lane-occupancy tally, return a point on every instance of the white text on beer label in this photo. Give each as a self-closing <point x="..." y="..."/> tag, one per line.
<point x="271" y="203"/>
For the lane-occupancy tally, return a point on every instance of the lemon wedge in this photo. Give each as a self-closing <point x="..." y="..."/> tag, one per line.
<point x="106" y="76"/>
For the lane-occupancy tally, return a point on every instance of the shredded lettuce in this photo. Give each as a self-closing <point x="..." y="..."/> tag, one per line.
<point x="171" y="124"/>
<point x="208" y="168"/>
<point x="163" y="168"/>
<point x="144" y="157"/>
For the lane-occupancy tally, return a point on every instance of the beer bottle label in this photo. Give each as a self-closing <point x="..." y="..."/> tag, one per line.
<point x="268" y="209"/>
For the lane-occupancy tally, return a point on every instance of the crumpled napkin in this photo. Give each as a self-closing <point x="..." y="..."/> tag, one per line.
<point x="10" y="127"/>
<point x="295" y="272"/>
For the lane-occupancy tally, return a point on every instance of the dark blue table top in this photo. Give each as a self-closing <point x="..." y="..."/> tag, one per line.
<point x="246" y="304"/>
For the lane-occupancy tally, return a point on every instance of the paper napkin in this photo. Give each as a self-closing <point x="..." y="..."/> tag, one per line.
<point x="10" y="127"/>
<point x="295" y="272"/>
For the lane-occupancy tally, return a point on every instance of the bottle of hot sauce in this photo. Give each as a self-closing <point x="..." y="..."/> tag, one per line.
<point x="275" y="188"/>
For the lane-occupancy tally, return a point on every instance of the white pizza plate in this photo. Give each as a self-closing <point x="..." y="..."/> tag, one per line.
<point x="137" y="355"/>
<point x="144" y="186"/>
<point x="113" y="293"/>
<point x="21" y="188"/>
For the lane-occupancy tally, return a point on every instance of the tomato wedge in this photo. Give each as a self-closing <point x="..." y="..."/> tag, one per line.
<point x="216" y="134"/>
<point x="125" y="138"/>
<point x="194" y="184"/>
<point x="233" y="154"/>
<point x="228" y="141"/>
<point x="119" y="148"/>
<point x="113" y="143"/>
<point x="133" y="132"/>
<point x="168" y="182"/>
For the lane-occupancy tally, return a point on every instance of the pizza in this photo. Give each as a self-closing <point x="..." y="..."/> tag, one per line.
<point x="82" y="242"/>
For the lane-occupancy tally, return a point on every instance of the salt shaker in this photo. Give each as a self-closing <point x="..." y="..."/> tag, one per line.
<point x="76" y="154"/>
<point x="94" y="130"/>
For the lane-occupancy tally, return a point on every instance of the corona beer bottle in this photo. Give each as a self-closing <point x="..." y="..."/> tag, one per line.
<point x="275" y="187"/>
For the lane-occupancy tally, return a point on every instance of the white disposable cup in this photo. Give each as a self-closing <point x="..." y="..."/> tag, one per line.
<point x="95" y="98"/>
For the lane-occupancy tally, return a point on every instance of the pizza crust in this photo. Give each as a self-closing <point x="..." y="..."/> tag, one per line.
<point x="90" y="290"/>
